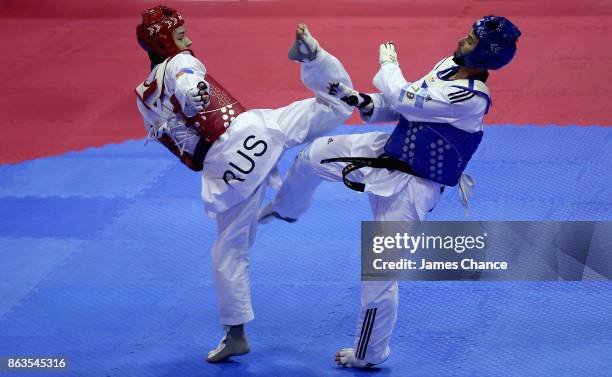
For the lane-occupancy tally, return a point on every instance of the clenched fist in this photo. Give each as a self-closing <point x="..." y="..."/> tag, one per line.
<point x="198" y="97"/>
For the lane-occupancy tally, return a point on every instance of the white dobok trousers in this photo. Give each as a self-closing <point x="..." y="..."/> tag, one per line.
<point x="393" y="196"/>
<point x="299" y="122"/>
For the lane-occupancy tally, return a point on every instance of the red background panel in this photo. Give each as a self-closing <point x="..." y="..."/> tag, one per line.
<point x="70" y="67"/>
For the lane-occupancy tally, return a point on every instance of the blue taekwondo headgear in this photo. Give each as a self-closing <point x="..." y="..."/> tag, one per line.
<point x="496" y="46"/>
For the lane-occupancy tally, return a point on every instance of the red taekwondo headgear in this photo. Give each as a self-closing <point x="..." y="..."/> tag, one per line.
<point x="155" y="32"/>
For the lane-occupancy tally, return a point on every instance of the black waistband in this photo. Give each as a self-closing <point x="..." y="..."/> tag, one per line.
<point x="200" y="151"/>
<point x="355" y="163"/>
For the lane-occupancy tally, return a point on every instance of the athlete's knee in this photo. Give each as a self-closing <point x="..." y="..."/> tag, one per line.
<point x="305" y="161"/>
<point x="304" y="154"/>
<point x="230" y="271"/>
<point x="378" y="293"/>
<point x="230" y="251"/>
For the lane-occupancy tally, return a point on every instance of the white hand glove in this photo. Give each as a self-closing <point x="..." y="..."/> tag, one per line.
<point x="198" y="97"/>
<point x="387" y="54"/>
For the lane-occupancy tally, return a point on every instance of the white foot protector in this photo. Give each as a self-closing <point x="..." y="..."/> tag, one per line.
<point x="346" y="358"/>
<point x="305" y="47"/>
<point x="233" y="343"/>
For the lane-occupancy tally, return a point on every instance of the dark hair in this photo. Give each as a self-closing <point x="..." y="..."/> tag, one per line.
<point x="155" y="59"/>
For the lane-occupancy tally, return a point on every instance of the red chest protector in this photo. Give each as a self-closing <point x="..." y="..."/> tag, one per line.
<point x="210" y="124"/>
<point x="218" y="115"/>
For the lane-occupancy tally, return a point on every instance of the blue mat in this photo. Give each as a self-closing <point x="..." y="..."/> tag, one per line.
<point x="105" y="261"/>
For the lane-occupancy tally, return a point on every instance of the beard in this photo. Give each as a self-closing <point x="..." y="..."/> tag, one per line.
<point x="458" y="58"/>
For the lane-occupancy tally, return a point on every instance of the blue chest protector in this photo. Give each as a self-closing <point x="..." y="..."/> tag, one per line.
<point x="436" y="151"/>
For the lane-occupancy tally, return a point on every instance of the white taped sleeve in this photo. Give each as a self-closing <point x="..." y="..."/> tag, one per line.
<point x="390" y="81"/>
<point x="432" y="104"/>
<point x="383" y="110"/>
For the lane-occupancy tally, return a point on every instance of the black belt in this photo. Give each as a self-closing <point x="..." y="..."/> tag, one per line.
<point x="356" y="163"/>
<point x="200" y="151"/>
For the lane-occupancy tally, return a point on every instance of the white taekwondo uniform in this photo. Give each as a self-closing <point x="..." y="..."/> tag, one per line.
<point x="238" y="163"/>
<point x="432" y="102"/>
